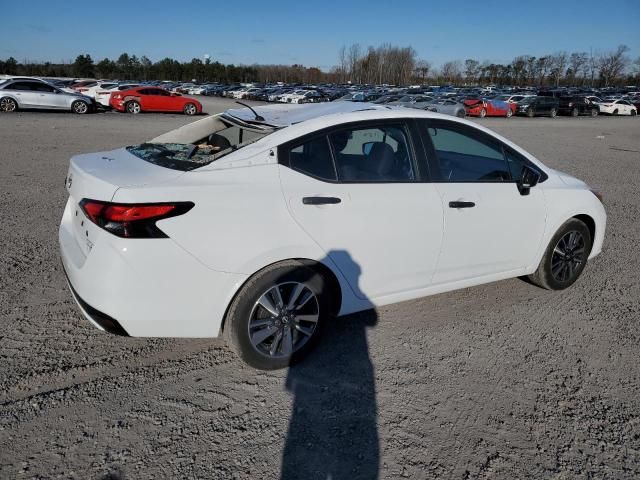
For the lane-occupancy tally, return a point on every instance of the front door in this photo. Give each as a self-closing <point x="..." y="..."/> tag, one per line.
<point x="357" y="191"/>
<point x="489" y="226"/>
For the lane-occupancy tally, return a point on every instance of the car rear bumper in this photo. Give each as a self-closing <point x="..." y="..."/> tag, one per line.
<point x="144" y="287"/>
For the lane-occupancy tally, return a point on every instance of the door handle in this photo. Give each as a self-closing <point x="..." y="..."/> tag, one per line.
<point x="461" y="204"/>
<point x="320" y="200"/>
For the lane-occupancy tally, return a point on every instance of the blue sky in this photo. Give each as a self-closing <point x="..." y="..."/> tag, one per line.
<point x="311" y="33"/>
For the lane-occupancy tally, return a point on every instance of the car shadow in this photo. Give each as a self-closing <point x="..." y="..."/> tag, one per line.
<point x="333" y="426"/>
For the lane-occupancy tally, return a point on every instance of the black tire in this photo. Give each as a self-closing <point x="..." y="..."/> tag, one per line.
<point x="80" y="107"/>
<point x="553" y="113"/>
<point x="634" y="113"/>
<point x="594" y="112"/>
<point x="245" y="310"/>
<point x="190" y="109"/>
<point x="531" y="113"/>
<point x="461" y="114"/>
<point x="574" y="112"/>
<point x="547" y="275"/>
<point x="8" y="104"/>
<point x="132" y="107"/>
<point x="615" y="112"/>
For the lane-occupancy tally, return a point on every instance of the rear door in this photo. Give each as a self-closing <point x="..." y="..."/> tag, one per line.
<point x="25" y="93"/>
<point x="360" y="193"/>
<point x="489" y="227"/>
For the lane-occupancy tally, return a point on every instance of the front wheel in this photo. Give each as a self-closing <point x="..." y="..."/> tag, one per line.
<point x="634" y="113"/>
<point x="80" y="107"/>
<point x="574" y="112"/>
<point x="509" y="113"/>
<point x="277" y="316"/>
<point x="8" y="105"/>
<point x="190" y="109"/>
<point x="133" y="107"/>
<point x="483" y="113"/>
<point x="615" y="112"/>
<point x="565" y="257"/>
<point x="553" y="113"/>
<point x="530" y="113"/>
<point x="594" y="112"/>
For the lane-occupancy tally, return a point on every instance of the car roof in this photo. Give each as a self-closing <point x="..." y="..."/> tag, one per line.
<point x="289" y="114"/>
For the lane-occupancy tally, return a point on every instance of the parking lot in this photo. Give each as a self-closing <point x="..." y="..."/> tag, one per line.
<point x="504" y="380"/>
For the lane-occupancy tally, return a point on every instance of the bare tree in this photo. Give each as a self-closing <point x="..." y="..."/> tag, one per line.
<point x="612" y="64"/>
<point x="422" y="70"/>
<point x="558" y="66"/>
<point x="578" y="64"/>
<point x="452" y="71"/>
<point x="471" y="70"/>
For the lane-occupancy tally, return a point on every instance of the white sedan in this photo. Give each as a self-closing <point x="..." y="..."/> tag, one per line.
<point x="103" y="95"/>
<point x="264" y="224"/>
<point x="617" y="107"/>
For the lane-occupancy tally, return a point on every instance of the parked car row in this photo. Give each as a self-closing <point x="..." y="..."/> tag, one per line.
<point x="31" y="93"/>
<point x="86" y="95"/>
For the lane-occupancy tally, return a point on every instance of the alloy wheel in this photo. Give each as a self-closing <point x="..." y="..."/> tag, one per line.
<point x="80" y="107"/>
<point x="568" y="256"/>
<point x="8" y="105"/>
<point x="283" y="319"/>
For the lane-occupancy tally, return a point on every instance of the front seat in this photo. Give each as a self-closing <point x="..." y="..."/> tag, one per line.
<point x="380" y="161"/>
<point x="218" y="142"/>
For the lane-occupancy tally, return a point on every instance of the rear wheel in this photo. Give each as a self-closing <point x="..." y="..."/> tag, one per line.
<point x="634" y="113"/>
<point x="574" y="112"/>
<point x="553" y="113"/>
<point x="461" y="113"/>
<point x="277" y="316"/>
<point x="133" y="107"/>
<point x="190" y="109"/>
<point x="8" y="105"/>
<point x="509" y="112"/>
<point x="530" y="113"/>
<point x="565" y="257"/>
<point x="80" y="107"/>
<point x="594" y="112"/>
<point x="615" y="112"/>
<point x="483" y="113"/>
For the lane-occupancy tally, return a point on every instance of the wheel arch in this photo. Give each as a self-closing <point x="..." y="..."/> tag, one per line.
<point x="333" y="284"/>
<point x="589" y="222"/>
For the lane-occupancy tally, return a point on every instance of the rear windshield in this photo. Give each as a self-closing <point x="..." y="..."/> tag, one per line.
<point x="189" y="156"/>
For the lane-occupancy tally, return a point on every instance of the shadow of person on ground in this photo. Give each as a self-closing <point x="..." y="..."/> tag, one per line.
<point x="333" y="427"/>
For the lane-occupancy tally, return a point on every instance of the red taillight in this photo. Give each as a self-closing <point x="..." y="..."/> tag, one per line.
<point x="132" y="220"/>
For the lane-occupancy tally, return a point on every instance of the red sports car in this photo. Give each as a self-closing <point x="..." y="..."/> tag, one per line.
<point x="153" y="99"/>
<point x="481" y="107"/>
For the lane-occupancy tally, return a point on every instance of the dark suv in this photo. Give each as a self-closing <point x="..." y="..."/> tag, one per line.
<point x="575" y="106"/>
<point x="536" y="106"/>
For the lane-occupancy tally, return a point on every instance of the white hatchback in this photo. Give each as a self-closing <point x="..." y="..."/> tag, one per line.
<point x="263" y="224"/>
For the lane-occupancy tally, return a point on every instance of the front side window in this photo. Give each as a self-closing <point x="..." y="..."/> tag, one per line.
<point x="374" y="154"/>
<point x="466" y="156"/>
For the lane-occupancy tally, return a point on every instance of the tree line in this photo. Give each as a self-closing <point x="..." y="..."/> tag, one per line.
<point x="385" y="64"/>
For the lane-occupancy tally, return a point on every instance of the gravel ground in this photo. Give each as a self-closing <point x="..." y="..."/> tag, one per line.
<point x="500" y="381"/>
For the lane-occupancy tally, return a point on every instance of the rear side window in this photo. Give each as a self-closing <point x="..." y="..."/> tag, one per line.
<point x="313" y="158"/>
<point x="22" y="86"/>
<point x="467" y="156"/>
<point x="376" y="154"/>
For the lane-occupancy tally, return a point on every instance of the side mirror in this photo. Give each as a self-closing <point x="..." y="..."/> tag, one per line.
<point x="529" y="178"/>
<point x="366" y="147"/>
